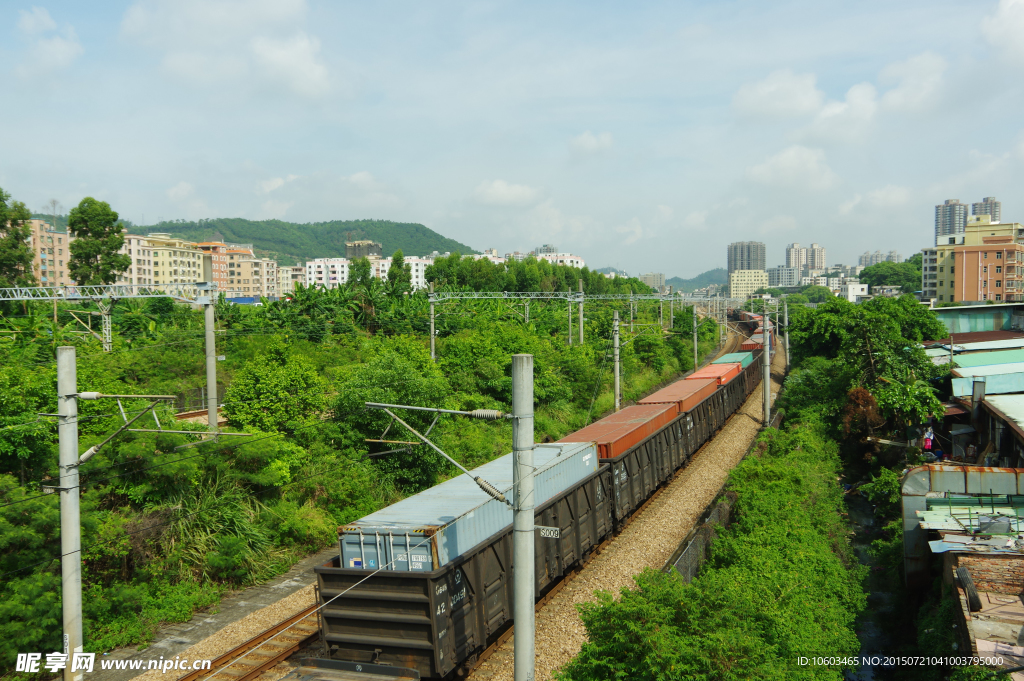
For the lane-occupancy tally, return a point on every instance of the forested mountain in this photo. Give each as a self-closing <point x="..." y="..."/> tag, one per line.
<point x="719" y="276"/>
<point x="290" y="242"/>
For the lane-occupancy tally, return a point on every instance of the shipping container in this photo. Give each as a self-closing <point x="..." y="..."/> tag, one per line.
<point x="618" y="432"/>
<point x="744" y="358"/>
<point x="721" y="373"/>
<point x="685" y="394"/>
<point x="430" y="529"/>
<point x="751" y="344"/>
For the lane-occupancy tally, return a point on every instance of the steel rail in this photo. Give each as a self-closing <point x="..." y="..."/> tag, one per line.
<point x="252" y="666"/>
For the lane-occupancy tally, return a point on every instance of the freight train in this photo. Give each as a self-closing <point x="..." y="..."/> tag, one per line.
<point x="421" y="588"/>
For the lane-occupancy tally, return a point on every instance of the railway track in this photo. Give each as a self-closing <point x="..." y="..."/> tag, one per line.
<point x="248" y="660"/>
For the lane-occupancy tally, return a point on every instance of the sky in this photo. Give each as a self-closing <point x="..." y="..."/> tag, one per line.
<point x="644" y="136"/>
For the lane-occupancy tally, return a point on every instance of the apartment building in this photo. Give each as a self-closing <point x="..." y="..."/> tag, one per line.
<point x="655" y="280"/>
<point x="50" y="254"/>
<point x="562" y="259"/>
<point x="238" y="273"/>
<point x="781" y="277"/>
<point x="140" y="272"/>
<point x="332" y="272"/>
<point x="175" y="261"/>
<point x="984" y="278"/>
<point x="810" y="258"/>
<point x="288" y="276"/>
<point x="743" y="283"/>
<point x="746" y="255"/>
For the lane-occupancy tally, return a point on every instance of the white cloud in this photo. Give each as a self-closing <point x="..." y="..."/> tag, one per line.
<point x="49" y="51"/>
<point x="276" y="183"/>
<point x="502" y="193"/>
<point x="796" y="167"/>
<point x="663" y="214"/>
<point x="36" y="20"/>
<point x="782" y="94"/>
<point x="918" y="81"/>
<point x="589" y="143"/>
<point x="1003" y="30"/>
<point x="847" y="119"/>
<point x="696" y="220"/>
<point x="889" y="196"/>
<point x="180" y="191"/>
<point x="208" y="42"/>
<point x="293" y="62"/>
<point x="632" y="230"/>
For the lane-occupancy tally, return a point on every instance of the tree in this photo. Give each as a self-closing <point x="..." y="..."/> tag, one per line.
<point x="276" y="392"/>
<point x="399" y="274"/>
<point x="15" y="252"/>
<point x="360" y="272"/>
<point x="817" y="294"/>
<point x="902" y="274"/>
<point x="98" y="237"/>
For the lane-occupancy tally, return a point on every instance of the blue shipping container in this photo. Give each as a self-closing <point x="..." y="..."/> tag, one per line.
<point x="438" y="525"/>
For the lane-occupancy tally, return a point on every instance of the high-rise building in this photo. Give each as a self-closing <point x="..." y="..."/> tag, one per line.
<point x="994" y="250"/>
<point x="546" y="248"/>
<point x="869" y="259"/>
<point x="950" y="218"/>
<point x="988" y="206"/>
<point x="810" y="258"/>
<point x="746" y="255"/>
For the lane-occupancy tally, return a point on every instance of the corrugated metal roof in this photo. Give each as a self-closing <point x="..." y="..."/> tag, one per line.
<point x="1006" y="344"/>
<point x="1012" y="406"/>
<point x="989" y="369"/>
<point x="983" y="358"/>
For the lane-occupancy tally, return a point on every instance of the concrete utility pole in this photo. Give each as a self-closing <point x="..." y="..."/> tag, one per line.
<point x="211" y="365"/>
<point x="615" y="356"/>
<point x="70" y="516"/>
<point x="661" y="313"/>
<point x="570" y="320"/>
<point x="433" y="356"/>
<point x="785" y="319"/>
<point x="581" y="312"/>
<point x="631" y="316"/>
<point x="523" y="581"/>
<point x="671" y="309"/>
<point x="766" y="378"/>
<point x="695" y="336"/>
<point x="527" y="310"/>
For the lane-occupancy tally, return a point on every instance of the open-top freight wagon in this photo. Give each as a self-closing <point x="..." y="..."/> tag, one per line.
<point x="422" y="587"/>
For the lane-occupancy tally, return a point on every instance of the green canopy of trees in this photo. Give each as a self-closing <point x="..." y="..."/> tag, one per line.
<point x="902" y="274"/>
<point x="15" y="252"/>
<point x="98" y="238"/>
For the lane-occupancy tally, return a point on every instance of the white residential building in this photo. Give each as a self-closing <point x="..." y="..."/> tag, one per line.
<point x="853" y="292"/>
<point x="332" y="272"/>
<point x="743" y="283"/>
<point x="562" y="259"/>
<point x="781" y="276"/>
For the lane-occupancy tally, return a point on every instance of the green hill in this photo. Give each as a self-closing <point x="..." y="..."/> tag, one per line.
<point x="719" y="276"/>
<point x="291" y="243"/>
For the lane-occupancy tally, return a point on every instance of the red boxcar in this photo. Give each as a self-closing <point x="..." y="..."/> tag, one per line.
<point x="685" y="394"/>
<point x="722" y="373"/>
<point x="618" y="432"/>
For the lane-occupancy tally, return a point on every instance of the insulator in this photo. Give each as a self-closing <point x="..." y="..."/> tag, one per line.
<point x="487" y="414"/>
<point x="490" y="489"/>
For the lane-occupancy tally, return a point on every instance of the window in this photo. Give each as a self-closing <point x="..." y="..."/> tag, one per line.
<point x="940" y="298"/>
<point x="999" y="296"/>
<point x="984" y="269"/>
<point x="999" y="283"/>
<point x="999" y="268"/>
<point x="984" y="284"/>
<point x="999" y="255"/>
<point x="940" y="269"/>
<point x="985" y="255"/>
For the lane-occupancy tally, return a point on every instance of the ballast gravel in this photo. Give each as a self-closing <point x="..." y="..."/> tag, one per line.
<point x="648" y="541"/>
<point x="239" y="632"/>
